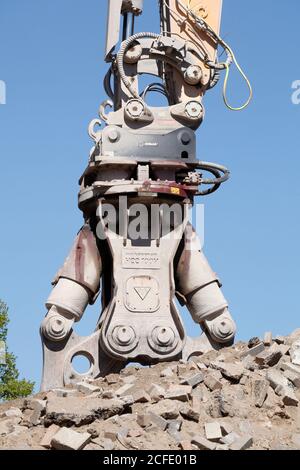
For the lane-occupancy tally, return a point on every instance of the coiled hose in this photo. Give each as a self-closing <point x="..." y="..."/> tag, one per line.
<point x="220" y="172"/>
<point x="120" y="59"/>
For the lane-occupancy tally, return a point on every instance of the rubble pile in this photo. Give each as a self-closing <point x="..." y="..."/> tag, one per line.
<point x="243" y="397"/>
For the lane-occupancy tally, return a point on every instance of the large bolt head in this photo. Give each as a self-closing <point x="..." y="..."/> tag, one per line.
<point x="134" y="108"/>
<point x="55" y="327"/>
<point x="194" y="110"/>
<point x="124" y="335"/>
<point x="222" y="329"/>
<point x="162" y="339"/>
<point x="193" y="75"/>
<point x="113" y="134"/>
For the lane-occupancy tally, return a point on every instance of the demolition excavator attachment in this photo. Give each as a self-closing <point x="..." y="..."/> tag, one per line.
<point x="137" y="246"/>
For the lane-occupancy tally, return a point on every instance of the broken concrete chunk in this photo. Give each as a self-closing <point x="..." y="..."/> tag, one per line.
<point x="203" y="444"/>
<point x="288" y="397"/>
<point x="295" y="353"/>
<point x="189" y="413"/>
<point x="67" y="439"/>
<point x="193" y="380"/>
<point x="124" y="390"/>
<point x="276" y="378"/>
<point x="112" y="379"/>
<point x="156" y="392"/>
<point x="254" y="351"/>
<point x="232" y="372"/>
<point x="179" y="392"/>
<point x="85" y="387"/>
<point x="292" y="377"/>
<point x="253" y="342"/>
<point x="270" y="357"/>
<point x="140" y="396"/>
<point x="230" y="438"/>
<point x="129" y="379"/>
<point x="243" y="443"/>
<point x="280" y="339"/>
<point x="68" y="411"/>
<point x="212" y="383"/>
<point x="291" y="367"/>
<point x="226" y="428"/>
<point x="50" y="433"/>
<point x="11" y="413"/>
<point x="268" y="337"/>
<point x="160" y="422"/>
<point x="8" y="425"/>
<point x="168" y="409"/>
<point x="213" y="431"/>
<point x="260" y="391"/>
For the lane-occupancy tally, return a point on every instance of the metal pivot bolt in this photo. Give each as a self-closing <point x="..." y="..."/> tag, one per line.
<point x="56" y="327"/>
<point x="194" y="110"/>
<point x="193" y="75"/>
<point x="134" y="109"/>
<point x="222" y="329"/>
<point x="162" y="339"/>
<point x="123" y="339"/>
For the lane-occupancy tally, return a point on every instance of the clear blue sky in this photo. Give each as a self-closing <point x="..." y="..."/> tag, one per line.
<point x="51" y="58"/>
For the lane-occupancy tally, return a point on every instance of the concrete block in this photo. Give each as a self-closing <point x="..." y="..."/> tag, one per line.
<point x="158" y="421"/>
<point x="212" y="383"/>
<point x="243" y="443"/>
<point x="279" y="339"/>
<point x="124" y="390"/>
<point x="295" y="353"/>
<point x="168" y="409"/>
<point x="270" y="357"/>
<point x="230" y="438"/>
<point x="226" y="428"/>
<point x="112" y="379"/>
<point x="292" y="377"/>
<point x="67" y="411"/>
<point x="67" y="439"/>
<point x="11" y="413"/>
<point x="189" y="413"/>
<point x="260" y="391"/>
<point x="50" y="433"/>
<point x="268" y="337"/>
<point x="276" y="378"/>
<point x="213" y="431"/>
<point x="203" y="444"/>
<point x="193" y="380"/>
<point x="85" y="387"/>
<point x="140" y="396"/>
<point x="179" y="392"/>
<point x="230" y="371"/>
<point x="156" y="392"/>
<point x="254" y="351"/>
